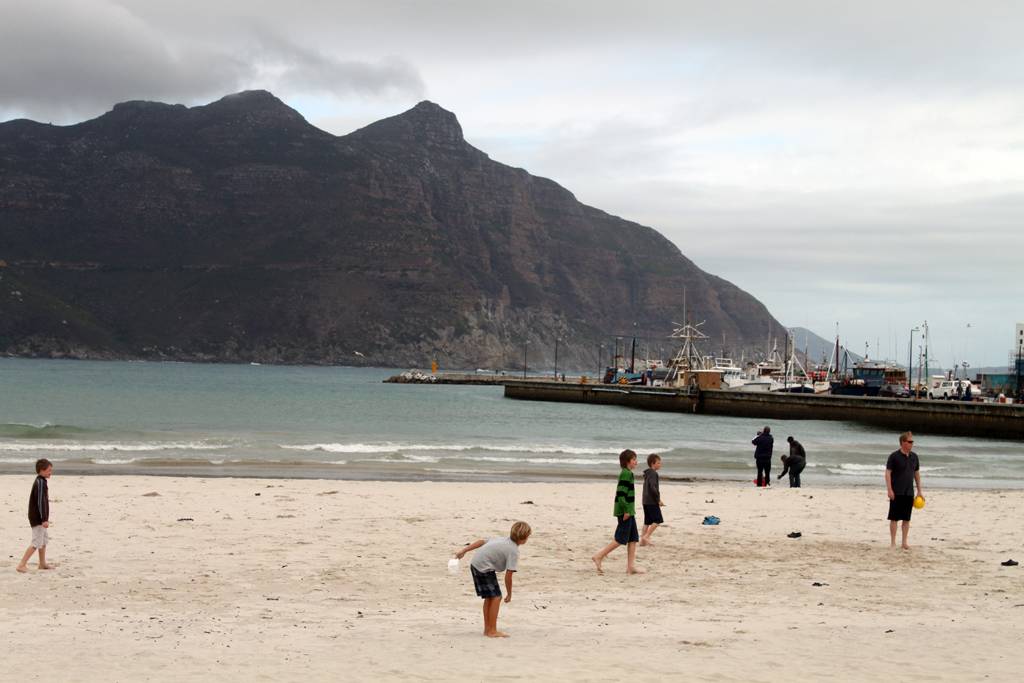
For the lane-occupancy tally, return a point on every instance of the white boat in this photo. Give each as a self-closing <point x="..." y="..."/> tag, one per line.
<point x="732" y="374"/>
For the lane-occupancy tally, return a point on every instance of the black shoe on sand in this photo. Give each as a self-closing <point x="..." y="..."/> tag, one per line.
<point x="794" y="534"/>
<point x="1010" y="563"/>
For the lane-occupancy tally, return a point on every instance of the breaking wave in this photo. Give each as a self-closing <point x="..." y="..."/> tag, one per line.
<point x="390" y="447"/>
<point x="86" y="446"/>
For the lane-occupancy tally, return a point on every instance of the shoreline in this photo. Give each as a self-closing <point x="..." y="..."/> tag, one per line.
<point x="188" y="578"/>
<point x="316" y="472"/>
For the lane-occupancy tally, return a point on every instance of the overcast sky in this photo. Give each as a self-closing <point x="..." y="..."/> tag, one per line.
<point x="859" y="163"/>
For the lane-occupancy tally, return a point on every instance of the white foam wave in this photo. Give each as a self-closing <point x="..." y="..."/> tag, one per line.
<point x="455" y="470"/>
<point x="541" y="461"/>
<point x="344" y="447"/>
<point x="403" y="459"/>
<point x="850" y="468"/>
<point x="855" y="467"/>
<point x="421" y="458"/>
<point x="391" y="447"/>
<point x="85" y="446"/>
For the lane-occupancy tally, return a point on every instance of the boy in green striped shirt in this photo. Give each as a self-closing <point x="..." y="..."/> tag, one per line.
<point x="625" y="512"/>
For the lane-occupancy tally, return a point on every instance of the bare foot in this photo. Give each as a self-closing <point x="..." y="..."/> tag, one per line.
<point x="21" y="569"/>
<point x="497" y="634"/>
<point x="635" y="570"/>
<point x="905" y="546"/>
<point x="644" y="542"/>
<point x="51" y="565"/>
<point x="597" y="563"/>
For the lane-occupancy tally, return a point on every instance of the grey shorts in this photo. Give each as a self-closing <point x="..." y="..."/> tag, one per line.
<point x="39" y="536"/>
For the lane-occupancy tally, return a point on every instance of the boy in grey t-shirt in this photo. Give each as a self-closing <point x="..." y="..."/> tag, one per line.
<point x="495" y="555"/>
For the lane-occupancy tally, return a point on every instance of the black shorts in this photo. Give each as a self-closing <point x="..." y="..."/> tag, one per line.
<point x="486" y="583"/>
<point x="652" y="515"/>
<point x="900" y="508"/>
<point x="625" y="531"/>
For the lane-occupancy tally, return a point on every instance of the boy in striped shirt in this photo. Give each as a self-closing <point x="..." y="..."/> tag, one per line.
<point x="625" y="512"/>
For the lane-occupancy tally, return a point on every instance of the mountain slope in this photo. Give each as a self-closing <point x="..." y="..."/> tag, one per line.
<point x="236" y="231"/>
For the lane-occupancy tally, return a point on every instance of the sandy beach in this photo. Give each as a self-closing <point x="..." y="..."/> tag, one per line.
<point x="249" y="579"/>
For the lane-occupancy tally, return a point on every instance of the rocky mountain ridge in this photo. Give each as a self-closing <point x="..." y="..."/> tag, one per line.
<point x="237" y="231"/>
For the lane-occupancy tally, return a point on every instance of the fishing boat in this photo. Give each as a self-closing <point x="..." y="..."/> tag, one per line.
<point x="869" y="378"/>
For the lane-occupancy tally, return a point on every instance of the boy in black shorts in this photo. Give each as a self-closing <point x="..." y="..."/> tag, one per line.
<point x="652" y="499"/>
<point x="625" y="512"/>
<point x="902" y="472"/>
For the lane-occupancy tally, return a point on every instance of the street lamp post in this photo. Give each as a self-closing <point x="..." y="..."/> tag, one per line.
<point x="926" y="377"/>
<point x="632" y="355"/>
<point x="1020" y="370"/>
<point x="525" y="343"/>
<point x="910" y="360"/>
<point x="556" y="358"/>
<point x="600" y="360"/>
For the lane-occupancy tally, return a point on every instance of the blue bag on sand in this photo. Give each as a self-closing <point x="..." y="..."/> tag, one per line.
<point x="711" y="520"/>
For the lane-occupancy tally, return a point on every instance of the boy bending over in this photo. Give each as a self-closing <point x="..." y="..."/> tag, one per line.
<point x="496" y="555"/>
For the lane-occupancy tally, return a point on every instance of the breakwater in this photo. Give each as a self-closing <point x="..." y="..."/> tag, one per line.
<point x="986" y="420"/>
<point x="417" y="377"/>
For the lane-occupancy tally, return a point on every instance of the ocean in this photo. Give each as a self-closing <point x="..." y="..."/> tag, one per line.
<point x="332" y="422"/>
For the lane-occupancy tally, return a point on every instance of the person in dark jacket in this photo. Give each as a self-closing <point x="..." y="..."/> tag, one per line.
<point x="38" y="515"/>
<point x="652" y="499"/>
<point x="763" y="456"/>
<point x="795" y="463"/>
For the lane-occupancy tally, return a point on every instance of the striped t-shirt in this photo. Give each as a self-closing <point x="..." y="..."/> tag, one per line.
<point x="625" y="496"/>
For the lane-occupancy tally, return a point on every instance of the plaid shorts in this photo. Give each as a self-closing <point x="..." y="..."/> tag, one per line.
<point x="486" y="583"/>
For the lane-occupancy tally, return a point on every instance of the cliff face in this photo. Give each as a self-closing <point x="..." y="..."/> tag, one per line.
<point x="236" y="231"/>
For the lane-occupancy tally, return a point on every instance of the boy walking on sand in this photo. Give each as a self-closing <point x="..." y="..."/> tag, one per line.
<point x="496" y="555"/>
<point x="902" y="472"/>
<point x="652" y="499"/>
<point x="38" y="515"/>
<point x="625" y="512"/>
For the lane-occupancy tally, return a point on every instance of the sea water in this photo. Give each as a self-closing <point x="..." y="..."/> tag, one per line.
<point x="333" y="422"/>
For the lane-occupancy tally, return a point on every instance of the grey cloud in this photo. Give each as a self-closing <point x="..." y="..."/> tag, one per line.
<point x="64" y="65"/>
<point x="301" y="69"/>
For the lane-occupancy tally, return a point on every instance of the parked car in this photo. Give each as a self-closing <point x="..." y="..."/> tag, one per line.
<point x="947" y="389"/>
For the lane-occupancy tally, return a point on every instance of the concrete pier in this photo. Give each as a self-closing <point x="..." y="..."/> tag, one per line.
<point x="487" y="378"/>
<point x="958" y="418"/>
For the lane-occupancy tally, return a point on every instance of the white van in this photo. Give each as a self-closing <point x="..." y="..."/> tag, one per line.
<point x="947" y="388"/>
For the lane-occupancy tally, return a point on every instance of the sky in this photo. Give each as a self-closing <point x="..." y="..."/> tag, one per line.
<point x="855" y="166"/>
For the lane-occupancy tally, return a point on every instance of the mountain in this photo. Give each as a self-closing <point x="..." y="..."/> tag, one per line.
<point x="237" y="231"/>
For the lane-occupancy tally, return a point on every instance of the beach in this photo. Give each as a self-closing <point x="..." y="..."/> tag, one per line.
<point x="182" y="578"/>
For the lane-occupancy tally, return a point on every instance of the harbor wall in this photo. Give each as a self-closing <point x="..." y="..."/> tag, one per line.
<point x="646" y="398"/>
<point x="983" y="420"/>
<point x="466" y="378"/>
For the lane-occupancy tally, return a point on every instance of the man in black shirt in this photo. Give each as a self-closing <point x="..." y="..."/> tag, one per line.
<point x="902" y="473"/>
<point x="795" y="463"/>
